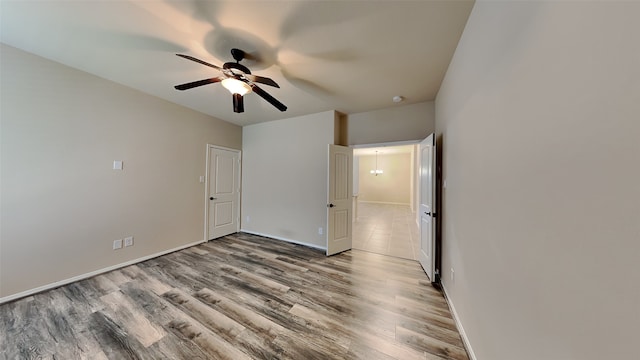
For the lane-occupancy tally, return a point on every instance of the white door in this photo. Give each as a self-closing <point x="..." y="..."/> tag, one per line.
<point x="427" y="205"/>
<point x="339" y="199"/>
<point x="223" y="210"/>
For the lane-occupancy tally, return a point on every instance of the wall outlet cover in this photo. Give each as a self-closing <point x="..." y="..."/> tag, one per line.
<point x="128" y="241"/>
<point x="117" y="244"/>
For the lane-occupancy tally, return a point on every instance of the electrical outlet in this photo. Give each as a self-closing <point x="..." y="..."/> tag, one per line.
<point x="320" y="230"/>
<point x="117" y="244"/>
<point x="452" y="274"/>
<point x="248" y="219"/>
<point x="128" y="241"/>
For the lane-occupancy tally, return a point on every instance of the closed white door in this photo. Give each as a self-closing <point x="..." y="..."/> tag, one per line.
<point x="339" y="199"/>
<point x="427" y="205"/>
<point x="223" y="192"/>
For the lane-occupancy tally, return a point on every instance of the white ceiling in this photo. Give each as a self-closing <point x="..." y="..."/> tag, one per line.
<point x="351" y="56"/>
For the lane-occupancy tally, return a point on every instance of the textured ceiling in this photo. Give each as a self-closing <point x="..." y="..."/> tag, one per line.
<point x="350" y="56"/>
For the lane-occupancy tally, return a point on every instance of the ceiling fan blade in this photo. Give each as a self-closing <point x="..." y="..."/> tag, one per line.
<point x="191" y="85"/>
<point x="262" y="80"/>
<point x="270" y="99"/>
<point x="199" y="61"/>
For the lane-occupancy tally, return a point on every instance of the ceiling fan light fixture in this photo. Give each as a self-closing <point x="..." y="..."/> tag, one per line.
<point x="237" y="79"/>
<point x="236" y="86"/>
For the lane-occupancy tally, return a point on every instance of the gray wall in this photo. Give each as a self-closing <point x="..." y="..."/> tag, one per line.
<point x="397" y="123"/>
<point x="539" y="117"/>
<point x="284" y="178"/>
<point x="62" y="204"/>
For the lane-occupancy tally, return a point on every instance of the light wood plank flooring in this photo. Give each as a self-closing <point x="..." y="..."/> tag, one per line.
<point x="239" y="297"/>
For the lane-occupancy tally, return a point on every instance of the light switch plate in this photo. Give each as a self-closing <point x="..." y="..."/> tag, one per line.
<point x="117" y="164"/>
<point x="117" y="244"/>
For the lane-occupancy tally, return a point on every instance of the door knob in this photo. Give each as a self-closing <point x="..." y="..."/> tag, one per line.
<point x="427" y="213"/>
<point x="330" y="205"/>
<point x="212" y="198"/>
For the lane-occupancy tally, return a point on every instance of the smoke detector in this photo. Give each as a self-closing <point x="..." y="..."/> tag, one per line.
<point x="397" y="99"/>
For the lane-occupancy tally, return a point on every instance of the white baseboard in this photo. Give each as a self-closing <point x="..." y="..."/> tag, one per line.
<point x="284" y="239"/>
<point x="463" y="335"/>
<point x="93" y="273"/>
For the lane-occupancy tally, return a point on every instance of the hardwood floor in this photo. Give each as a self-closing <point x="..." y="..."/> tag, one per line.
<point x="239" y="297"/>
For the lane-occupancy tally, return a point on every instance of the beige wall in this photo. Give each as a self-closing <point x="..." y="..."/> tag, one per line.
<point x="62" y="204"/>
<point x="284" y="178"/>
<point x="539" y="117"/>
<point x="397" y="123"/>
<point x="393" y="186"/>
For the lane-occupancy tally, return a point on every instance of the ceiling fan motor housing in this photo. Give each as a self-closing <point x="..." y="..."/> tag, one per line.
<point x="238" y="55"/>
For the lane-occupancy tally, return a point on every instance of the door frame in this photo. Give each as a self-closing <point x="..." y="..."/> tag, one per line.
<point x="415" y="170"/>
<point x="206" y="186"/>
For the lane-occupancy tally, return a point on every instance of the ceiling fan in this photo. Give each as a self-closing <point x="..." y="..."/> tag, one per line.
<point x="236" y="78"/>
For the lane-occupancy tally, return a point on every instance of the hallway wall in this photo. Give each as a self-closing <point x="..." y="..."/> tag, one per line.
<point x="393" y="186"/>
<point x="392" y="124"/>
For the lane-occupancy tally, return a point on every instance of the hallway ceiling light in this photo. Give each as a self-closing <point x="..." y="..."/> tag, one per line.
<point x="376" y="171"/>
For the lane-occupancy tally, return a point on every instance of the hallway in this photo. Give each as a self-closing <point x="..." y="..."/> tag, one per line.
<point x="386" y="229"/>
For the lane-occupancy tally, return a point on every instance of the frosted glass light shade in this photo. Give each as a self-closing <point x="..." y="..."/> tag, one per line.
<point x="236" y="86"/>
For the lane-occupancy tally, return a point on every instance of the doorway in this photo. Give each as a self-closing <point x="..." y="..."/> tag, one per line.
<point x="385" y="199"/>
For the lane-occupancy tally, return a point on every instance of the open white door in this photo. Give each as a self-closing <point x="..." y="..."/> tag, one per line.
<point x="339" y="201"/>
<point x="427" y="205"/>
<point x="223" y="210"/>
